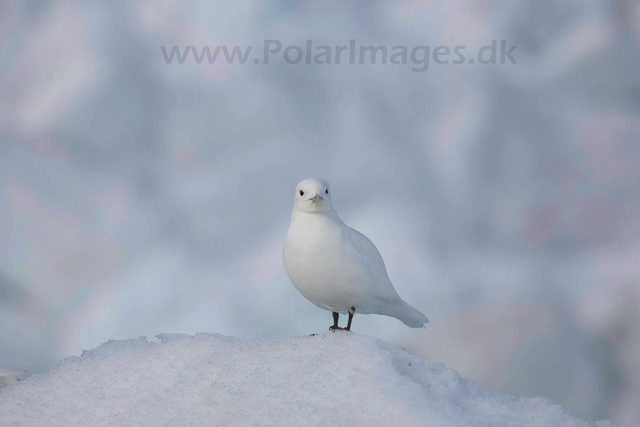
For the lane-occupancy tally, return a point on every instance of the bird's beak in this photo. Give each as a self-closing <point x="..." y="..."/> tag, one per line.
<point x="316" y="199"/>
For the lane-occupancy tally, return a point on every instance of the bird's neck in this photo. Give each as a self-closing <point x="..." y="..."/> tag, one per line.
<point x="320" y="216"/>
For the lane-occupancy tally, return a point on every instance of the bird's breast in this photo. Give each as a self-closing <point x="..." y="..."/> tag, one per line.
<point x="311" y="246"/>
<point x="317" y="260"/>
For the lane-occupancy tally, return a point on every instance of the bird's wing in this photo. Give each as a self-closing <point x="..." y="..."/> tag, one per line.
<point x="377" y="283"/>
<point x="362" y="249"/>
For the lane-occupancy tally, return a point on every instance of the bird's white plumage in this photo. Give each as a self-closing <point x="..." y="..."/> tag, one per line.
<point x="334" y="266"/>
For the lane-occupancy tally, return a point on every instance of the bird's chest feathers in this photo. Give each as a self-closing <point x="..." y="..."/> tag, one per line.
<point x="315" y="251"/>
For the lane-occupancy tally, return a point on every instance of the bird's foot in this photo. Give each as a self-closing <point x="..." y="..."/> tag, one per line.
<point x="336" y="328"/>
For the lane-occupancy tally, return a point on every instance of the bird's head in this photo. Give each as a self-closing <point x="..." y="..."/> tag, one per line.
<point x="313" y="196"/>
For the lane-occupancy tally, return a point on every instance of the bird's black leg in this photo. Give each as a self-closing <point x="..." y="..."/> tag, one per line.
<point x="352" y="311"/>
<point x="335" y="322"/>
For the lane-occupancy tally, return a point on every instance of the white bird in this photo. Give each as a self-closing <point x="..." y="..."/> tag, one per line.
<point x="336" y="267"/>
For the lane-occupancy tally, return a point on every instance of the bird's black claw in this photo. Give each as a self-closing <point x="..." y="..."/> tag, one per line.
<point x="335" y="328"/>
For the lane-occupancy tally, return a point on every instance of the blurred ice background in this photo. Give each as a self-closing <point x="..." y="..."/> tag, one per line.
<point x="139" y="198"/>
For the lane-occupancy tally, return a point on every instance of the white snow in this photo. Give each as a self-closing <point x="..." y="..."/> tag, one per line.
<point x="336" y="378"/>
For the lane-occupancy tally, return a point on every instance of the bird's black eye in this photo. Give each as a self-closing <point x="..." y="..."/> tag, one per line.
<point x="326" y="191"/>
<point x="301" y="193"/>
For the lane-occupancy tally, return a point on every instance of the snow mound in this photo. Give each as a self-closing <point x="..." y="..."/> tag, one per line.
<point x="337" y="378"/>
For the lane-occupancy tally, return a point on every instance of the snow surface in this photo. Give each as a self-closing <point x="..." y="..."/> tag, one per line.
<point x="336" y="378"/>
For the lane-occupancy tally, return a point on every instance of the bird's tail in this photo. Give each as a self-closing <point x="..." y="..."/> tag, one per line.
<point x="405" y="313"/>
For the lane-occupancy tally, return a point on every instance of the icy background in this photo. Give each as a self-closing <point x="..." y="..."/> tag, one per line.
<point x="337" y="378"/>
<point x="139" y="198"/>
